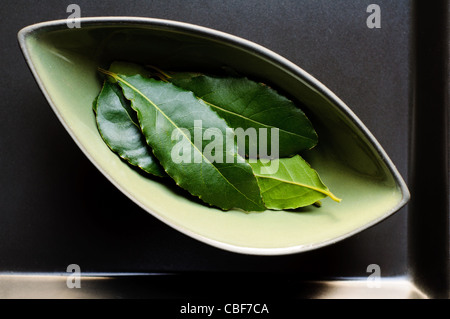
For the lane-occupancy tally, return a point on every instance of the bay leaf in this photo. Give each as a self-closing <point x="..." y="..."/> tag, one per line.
<point x="245" y="104"/>
<point x="118" y="125"/>
<point x="168" y="117"/>
<point x="289" y="183"/>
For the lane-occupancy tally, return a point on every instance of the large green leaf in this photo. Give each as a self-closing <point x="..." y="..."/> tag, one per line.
<point x="118" y="125"/>
<point x="246" y="104"/>
<point x="289" y="183"/>
<point x="174" y="121"/>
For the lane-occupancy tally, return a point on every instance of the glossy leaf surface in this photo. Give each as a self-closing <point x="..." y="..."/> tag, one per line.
<point x="172" y="119"/>
<point x="244" y="103"/>
<point x="118" y="126"/>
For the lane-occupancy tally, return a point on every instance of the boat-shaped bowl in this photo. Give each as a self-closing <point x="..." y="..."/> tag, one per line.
<point x="349" y="159"/>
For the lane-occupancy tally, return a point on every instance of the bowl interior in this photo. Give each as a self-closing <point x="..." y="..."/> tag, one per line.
<point x="347" y="158"/>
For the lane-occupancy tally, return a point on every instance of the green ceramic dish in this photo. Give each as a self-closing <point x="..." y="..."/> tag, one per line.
<point x="349" y="159"/>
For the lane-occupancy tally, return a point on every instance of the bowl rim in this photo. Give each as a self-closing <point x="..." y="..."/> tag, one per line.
<point x="242" y="43"/>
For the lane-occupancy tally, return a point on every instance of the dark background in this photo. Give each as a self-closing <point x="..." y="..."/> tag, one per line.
<point x="57" y="209"/>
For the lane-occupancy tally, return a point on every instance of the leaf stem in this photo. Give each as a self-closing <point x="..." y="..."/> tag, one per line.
<point x="114" y="75"/>
<point x="163" y="75"/>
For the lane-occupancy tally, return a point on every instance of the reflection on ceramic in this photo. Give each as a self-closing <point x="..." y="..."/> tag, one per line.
<point x="348" y="158"/>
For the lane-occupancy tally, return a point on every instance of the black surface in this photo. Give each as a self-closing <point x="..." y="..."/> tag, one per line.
<point x="57" y="209"/>
<point x="429" y="223"/>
